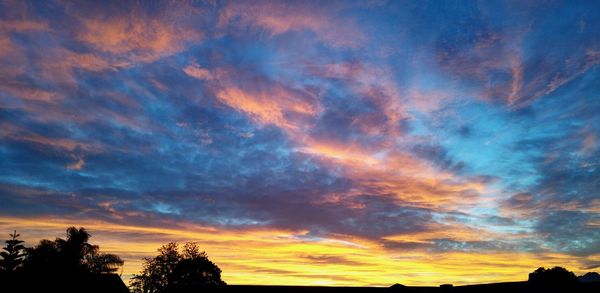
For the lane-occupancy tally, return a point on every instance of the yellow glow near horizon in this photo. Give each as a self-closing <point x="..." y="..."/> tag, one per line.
<point x="272" y="257"/>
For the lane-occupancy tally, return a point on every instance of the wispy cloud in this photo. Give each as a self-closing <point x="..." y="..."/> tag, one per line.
<point x="432" y="139"/>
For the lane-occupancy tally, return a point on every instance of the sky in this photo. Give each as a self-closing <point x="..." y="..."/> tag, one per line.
<point x="308" y="142"/>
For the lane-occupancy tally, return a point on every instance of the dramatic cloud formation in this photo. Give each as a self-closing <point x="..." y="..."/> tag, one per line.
<point x="308" y="143"/>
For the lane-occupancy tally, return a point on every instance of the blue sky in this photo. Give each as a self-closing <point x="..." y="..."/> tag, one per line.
<point x="435" y="127"/>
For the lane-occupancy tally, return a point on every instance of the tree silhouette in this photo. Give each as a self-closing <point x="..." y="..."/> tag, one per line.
<point x="12" y="256"/>
<point x="173" y="271"/>
<point x="71" y="255"/>
<point x="45" y="257"/>
<point x="103" y="263"/>
<point x="554" y="277"/>
<point x="75" y="248"/>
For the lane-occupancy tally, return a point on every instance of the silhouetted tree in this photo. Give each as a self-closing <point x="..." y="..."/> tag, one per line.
<point x="554" y="277"/>
<point x="12" y="256"/>
<point x="75" y="248"/>
<point x="45" y="257"/>
<point x="173" y="271"/>
<point x="101" y="263"/>
<point x="194" y="271"/>
<point x="71" y="255"/>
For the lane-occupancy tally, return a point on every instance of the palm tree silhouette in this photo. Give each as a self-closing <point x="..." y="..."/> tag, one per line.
<point x="73" y="255"/>
<point x="75" y="248"/>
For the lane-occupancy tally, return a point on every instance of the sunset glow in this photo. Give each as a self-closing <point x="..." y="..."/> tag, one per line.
<point x="308" y="142"/>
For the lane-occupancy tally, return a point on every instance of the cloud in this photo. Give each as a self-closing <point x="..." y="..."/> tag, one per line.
<point x="77" y="165"/>
<point x="13" y="57"/>
<point x="138" y="35"/>
<point x="489" y="60"/>
<point x="87" y="61"/>
<point x="13" y="132"/>
<point x="376" y="169"/>
<point x="375" y="86"/>
<point x="516" y="83"/>
<point x="266" y="102"/>
<point x="589" y="143"/>
<point x="435" y="141"/>
<point x="276" y="106"/>
<point x="566" y="231"/>
<point x="194" y="70"/>
<point x="330" y="259"/>
<point x="279" y="18"/>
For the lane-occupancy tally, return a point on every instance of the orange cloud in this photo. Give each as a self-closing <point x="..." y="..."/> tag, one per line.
<point x="11" y="52"/>
<point x="341" y="154"/>
<point x="59" y="66"/>
<point x="280" y="18"/>
<point x="276" y="105"/>
<point x="194" y="70"/>
<point x="77" y="165"/>
<point x="385" y="171"/>
<point x="139" y="38"/>
<point x="383" y="168"/>
<point x="423" y="192"/>
<point x="31" y="94"/>
<point x="88" y="61"/>
<point x="17" y="133"/>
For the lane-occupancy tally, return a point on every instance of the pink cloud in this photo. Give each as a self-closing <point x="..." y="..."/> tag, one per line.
<point x="373" y="83"/>
<point x="22" y="25"/>
<point x="138" y="36"/>
<point x="592" y="58"/>
<point x="279" y="18"/>
<point x="411" y="181"/>
<point x="77" y="165"/>
<point x="31" y="94"/>
<point x="87" y="61"/>
<point x="517" y="81"/>
<point x="12" y="53"/>
<point x="375" y="168"/>
<point x="276" y="105"/>
<point x="17" y="133"/>
<point x="589" y="143"/>
<point x="194" y="70"/>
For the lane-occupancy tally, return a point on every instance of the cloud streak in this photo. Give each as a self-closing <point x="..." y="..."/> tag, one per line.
<point x="353" y="141"/>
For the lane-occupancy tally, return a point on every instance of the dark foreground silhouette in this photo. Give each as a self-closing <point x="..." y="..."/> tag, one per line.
<point x="62" y="265"/>
<point x="74" y="265"/>
<point x="510" y="287"/>
<point x="59" y="282"/>
<point x="176" y="270"/>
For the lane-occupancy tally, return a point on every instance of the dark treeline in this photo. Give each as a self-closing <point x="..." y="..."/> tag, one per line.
<point x="61" y="265"/>
<point x="74" y="265"/>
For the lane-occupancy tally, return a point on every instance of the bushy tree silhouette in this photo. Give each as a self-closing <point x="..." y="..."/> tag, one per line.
<point x="554" y="277"/>
<point x="45" y="257"/>
<point x="173" y="271"/>
<point x="12" y="256"/>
